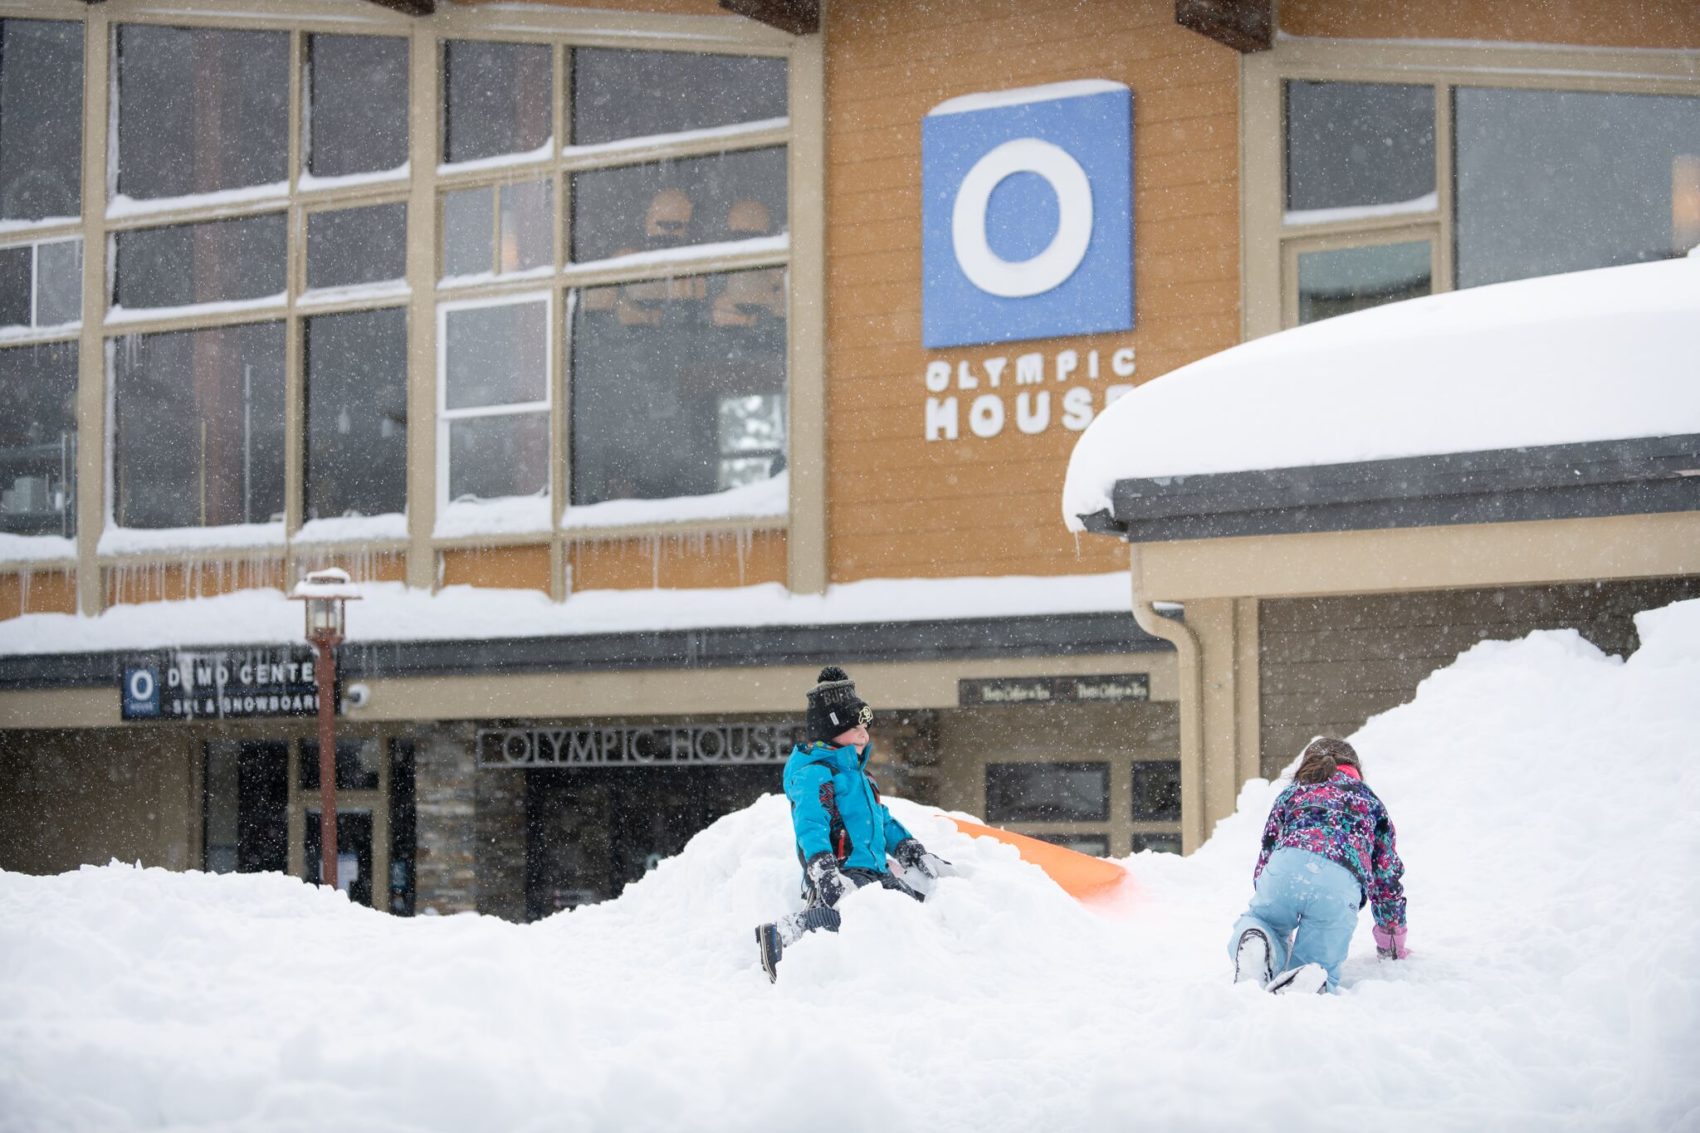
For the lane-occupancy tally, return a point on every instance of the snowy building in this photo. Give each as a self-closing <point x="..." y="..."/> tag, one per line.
<point x="637" y="360"/>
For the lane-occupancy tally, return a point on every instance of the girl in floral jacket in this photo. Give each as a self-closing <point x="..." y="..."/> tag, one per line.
<point x="1327" y="851"/>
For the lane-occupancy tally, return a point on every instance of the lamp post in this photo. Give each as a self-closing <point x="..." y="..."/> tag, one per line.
<point x="323" y="594"/>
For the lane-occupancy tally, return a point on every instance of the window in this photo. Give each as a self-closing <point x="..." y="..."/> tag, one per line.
<point x="356" y="120"/>
<point x="356" y="764"/>
<point x="1157" y="791"/>
<point x="678" y="386"/>
<point x="637" y="94"/>
<point x="41" y="119"/>
<point x="645" y="208"/>
<point x="1093" y="845"/>
<point x="498" y="229"/>
<point x="493" y="399"/>
<point x="41" y="284"/>
<point x="1047" y="792"/>
<point x="356" y="460"/>
<point x="1161" y="843"/>
<point x="38" y="439"/>
<point x="186" y="264"/>
<point x="496" y="99"/>
<point x="1557" y="181"/>
<point x="354" y="246"/>
<point x="1541" y="182"/>
<point x="198" y="434"/>
<point x="228" y="129"/>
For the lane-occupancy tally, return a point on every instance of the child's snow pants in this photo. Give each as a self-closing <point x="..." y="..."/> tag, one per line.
<point x="1302" y="892"/>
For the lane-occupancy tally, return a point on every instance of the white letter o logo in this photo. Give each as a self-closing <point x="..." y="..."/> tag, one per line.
<point x="141" y="686"/>
<point x="992" y="273"/>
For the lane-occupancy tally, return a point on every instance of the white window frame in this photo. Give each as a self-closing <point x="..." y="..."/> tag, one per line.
<point x="445" y="415"/>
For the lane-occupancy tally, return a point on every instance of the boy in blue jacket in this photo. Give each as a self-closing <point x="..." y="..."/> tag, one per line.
<point x="843" y="831"/>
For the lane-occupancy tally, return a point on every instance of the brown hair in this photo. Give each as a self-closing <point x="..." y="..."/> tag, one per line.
<point x="1322" y="756"/>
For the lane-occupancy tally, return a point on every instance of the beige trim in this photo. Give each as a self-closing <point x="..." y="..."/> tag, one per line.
<point x="1188" y="663"/>
<point x="806" y="548"/>
<point x="1248" y="750"/>
<point x="689" y="147"/>
<point x="1339" y="238"/>
<point x="1261" y="195"/>
<point x="592" y="273"/>
<point x="1425" y="558"/>
<point x="422" y="125"/>
<point x="92" y="400"/>
<point x="61" y="708"/>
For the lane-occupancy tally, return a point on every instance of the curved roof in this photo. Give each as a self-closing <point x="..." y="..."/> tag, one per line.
<point x="1590" y="356"/>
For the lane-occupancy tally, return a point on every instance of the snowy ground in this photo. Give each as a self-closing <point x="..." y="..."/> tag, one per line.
<point x="1545" y="797"/>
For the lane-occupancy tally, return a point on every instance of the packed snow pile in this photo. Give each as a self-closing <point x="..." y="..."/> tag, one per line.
<point x="1545" y="796"/>
<point x="1605" y="355"/>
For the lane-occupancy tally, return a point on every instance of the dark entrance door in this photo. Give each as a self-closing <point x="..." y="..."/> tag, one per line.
<point x="353" y="849"/>
<point x="590" y="830"/>
<point x="247" y="806"/>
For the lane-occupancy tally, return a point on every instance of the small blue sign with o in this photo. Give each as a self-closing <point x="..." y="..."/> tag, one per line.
<point x="141" y="692"/>
<point x="1027" y="214"/>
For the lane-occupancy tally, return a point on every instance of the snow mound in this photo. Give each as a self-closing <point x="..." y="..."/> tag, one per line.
<point x="1544" y="795"/>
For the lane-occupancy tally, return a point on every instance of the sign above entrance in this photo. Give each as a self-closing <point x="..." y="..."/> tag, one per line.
<point x="645" y="745"/>
<point x="1116" y="688"/>
<point x="219" y="684"/>
<point x="1027" y="214"/>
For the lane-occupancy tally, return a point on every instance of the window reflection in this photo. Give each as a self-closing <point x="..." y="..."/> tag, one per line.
<point x="38" y="439"/>
<point x="1556" y="181"/>
<point x="473" y="244"/>
<point x="356" y="413"/>
<point x="225" y="130"/>
<point x="495" y="99"/>
<point x="673" y="204"/>
<point x="41" y="119"/>
<point x="346" y="247"/>
<point x="198" y="438"/>
<point x="1157" y="790"/>
<point x="678" y="386"/>
<point x="185" y="264"/>
<point x="1047" y="792"/>
<point x="356" y="103"/>
<point x="41" y="284"/>
<point x="632" y="94"/>
<point x="495" y="394"/>
<point x="1351" y="279"/>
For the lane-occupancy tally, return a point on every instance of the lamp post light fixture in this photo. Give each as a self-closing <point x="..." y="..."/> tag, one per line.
<point x="323" y="594"/>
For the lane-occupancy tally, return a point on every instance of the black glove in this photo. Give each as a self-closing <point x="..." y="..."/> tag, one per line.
<point x="912" y="855"/>
<point x="829" y="884"/>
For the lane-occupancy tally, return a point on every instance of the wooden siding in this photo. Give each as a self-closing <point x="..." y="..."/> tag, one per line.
<point x="707" y="560"/>
<point x="501" y="568"/>
<point x="899" y="506"/>
<point x="1591" y="23"/>
<point x="38" y="592"/>
<point x="1329" y="664"/>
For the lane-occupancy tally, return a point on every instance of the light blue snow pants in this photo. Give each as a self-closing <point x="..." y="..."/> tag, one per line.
<point x="1302" y="891"/>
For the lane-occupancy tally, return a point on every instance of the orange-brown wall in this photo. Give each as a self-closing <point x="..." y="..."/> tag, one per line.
<point x="515" y="568"/>
<point x="1593" y="23"/>
<point x="38" y="592"/>
<point x="900" y="506"/>
<point x="678" y="561"/>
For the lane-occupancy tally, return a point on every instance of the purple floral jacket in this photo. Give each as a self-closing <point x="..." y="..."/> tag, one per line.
<point x="1343" y="821"/>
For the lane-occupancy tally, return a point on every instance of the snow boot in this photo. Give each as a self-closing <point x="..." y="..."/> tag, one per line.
<point x="771" y="948"/>
<point x="1251" y="958"/>
<point x="1310" y="979"/>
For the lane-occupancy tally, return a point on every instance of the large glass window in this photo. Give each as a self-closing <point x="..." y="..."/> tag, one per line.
<point x="185" y="264"/>
<point x="668" y="399"/>
<point x="356" y="119"/>
<point x="494" y="400"/>
<point x="41" y="119"/>
<point x="226" y="129"/>
<point x="496" y="99"/>
<point x="1557" y="181"/>
<point x="1350" y="279"/>
<point x="356" y="413"/>
<point x="198" y="438"/>
<point x="1047" y="792"/>
<point x="38" y="439"/>
<point x="634" y="94"/>
<point x="671" y="204"/>
<point x="498" y="228"/>
<point x="1157" y="790"/>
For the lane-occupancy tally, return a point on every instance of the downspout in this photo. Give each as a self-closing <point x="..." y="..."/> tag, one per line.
<point x="1189" y="665"/>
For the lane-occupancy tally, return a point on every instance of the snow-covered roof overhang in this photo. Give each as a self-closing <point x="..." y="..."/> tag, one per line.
<point x="1555" y="397"/>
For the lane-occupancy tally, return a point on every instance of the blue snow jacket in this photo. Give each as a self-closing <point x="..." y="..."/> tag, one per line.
<point x="835" y="806"/>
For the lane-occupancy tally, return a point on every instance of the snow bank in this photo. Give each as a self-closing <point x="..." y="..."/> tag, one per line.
<point x="1603" y="355"/>
<point x="393" y="612"/>
<point x="1544" y="795"/>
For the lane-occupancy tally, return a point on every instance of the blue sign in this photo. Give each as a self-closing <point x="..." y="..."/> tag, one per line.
<point x="141" y="692"/>
<point x="1027" y="215"/>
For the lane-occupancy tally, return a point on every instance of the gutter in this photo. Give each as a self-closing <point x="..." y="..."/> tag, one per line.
<point x="1189" y="667"/>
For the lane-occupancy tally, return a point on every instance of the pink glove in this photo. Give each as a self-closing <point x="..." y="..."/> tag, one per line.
<point x="1390" y="943"/>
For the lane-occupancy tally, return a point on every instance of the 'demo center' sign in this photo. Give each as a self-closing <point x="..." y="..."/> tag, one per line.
<point x="219" y="684"/>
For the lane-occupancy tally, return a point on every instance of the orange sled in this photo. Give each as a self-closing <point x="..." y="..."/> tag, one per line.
<point x="1080" y="875"/>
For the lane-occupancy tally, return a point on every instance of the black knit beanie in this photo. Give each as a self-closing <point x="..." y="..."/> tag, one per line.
<point x="833" y="705"/>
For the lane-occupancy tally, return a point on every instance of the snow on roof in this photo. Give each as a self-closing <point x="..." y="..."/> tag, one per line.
<point x="1590" y="356"/>
<point x="393" y="612"/>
